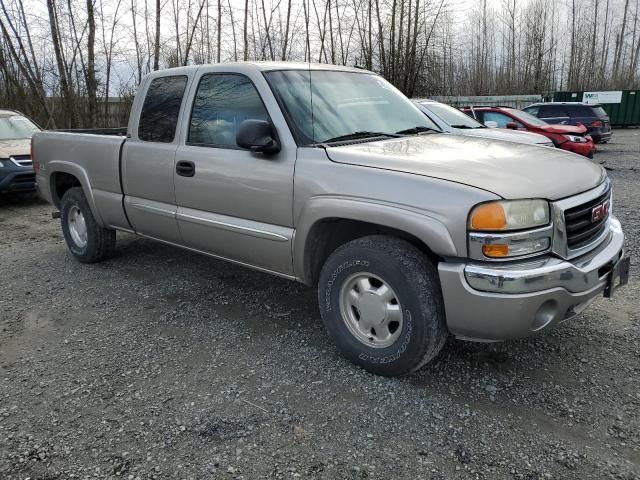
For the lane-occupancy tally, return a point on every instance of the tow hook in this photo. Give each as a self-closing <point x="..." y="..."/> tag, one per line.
<point x="55" y="214"/>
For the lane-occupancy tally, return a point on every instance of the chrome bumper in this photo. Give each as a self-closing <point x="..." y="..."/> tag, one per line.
<point x="514" y="300"/>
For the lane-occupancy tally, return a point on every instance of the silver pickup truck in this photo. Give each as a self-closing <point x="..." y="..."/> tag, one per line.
<point x="331" y="177"/>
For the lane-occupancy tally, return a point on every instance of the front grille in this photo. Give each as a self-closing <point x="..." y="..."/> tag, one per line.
<point x="581" y="230"/>
<point x="24" y="178"/>
<point x="22" y="160"/>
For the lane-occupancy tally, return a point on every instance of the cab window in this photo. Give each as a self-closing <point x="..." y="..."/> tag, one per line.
<point x="221" y="104"/>
<point x="161" y="109"/>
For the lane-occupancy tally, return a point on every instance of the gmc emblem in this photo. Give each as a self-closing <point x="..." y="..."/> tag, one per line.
<point x="599" y="212"/>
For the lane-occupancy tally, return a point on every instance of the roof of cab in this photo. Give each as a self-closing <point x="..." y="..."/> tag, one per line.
<point x="564" y="103"/>
<point x="5" y="113"/>
<point x="261" y="66"/>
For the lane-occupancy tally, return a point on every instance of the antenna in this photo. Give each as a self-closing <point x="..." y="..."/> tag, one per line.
<point x="313" y="129"/>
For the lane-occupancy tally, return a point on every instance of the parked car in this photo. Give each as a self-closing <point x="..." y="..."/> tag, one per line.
<point x="16" y="171"/>
<point x="452" y="120"/>
<point x="593" y="117"/>
<point x="330" y="176"/>
<point x="567" y="137"/>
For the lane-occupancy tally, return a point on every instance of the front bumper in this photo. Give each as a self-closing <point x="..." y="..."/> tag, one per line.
<point x="489" y="302"/>
<point x="18" y="179"/>
<point x="600" y="136"/>
<point x="587" y="149"/>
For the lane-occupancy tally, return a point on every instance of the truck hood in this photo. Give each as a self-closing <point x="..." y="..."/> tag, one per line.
<point x="9" y="148"/>
<point x="507" y="169"/>
<point x="506" y="135"/>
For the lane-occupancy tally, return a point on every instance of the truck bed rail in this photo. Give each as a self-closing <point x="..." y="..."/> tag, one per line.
<point x="118" y="131"/>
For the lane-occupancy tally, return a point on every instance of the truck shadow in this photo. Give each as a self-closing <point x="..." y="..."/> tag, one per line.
<point x="261" y="301"/>
<point x="27" y="199"/>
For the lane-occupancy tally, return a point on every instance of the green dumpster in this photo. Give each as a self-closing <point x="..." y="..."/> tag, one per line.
<point x="624" y="112"/>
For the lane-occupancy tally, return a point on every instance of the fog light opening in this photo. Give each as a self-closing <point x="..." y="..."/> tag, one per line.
<point x="545" y="315"/>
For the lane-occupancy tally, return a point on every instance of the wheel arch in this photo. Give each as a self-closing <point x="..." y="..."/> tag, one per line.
<point x="329" y="223"/>
<point x="66" y="175"/>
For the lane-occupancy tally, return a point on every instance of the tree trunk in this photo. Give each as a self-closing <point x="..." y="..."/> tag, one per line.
<point x="156" y="47"/>
<point x="65" y="87"/>
<point x="92" y="85"/>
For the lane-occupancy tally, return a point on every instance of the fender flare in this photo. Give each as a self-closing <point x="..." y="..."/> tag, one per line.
<point x="61" y="166"/>
<point x="424" y="225"/>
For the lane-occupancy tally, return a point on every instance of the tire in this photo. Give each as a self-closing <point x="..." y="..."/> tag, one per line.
<point x="98" y="242"/>
<point x="362" y="268"/>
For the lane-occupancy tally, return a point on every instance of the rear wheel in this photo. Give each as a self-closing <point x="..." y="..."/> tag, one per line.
<point x="381" y="302"/>
<point x="86" y="240"/>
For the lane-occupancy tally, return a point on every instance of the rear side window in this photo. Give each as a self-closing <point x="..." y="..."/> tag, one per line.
<point x="161" y="109"/>
<point x="551" y="111"/>
<point x="600" y="112"/>
<point x="580" y="111"/>
<point x="221" y="104"/>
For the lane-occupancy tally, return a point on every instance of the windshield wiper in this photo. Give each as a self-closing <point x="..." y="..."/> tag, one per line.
<point x="466" y="126"/>
<point x="416" y="130"/>
<point x="358" y="135"/>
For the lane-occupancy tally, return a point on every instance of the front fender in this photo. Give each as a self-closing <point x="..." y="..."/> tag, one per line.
<point x="426" y="226"/>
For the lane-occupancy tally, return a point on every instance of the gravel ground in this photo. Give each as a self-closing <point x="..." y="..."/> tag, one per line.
<point x="161" y="363"/>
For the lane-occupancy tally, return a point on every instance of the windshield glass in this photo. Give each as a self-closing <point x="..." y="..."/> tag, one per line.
<point x="527" y="118"/>
<point x="452" y="116"/>
<point x="15" y="127"/>
<point x="343" y="103"/>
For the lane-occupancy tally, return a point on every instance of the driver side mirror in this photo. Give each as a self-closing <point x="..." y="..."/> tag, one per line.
<point x="491" y="124"/>
<point x="512" y="126"/>
<point x="257" y="136"/>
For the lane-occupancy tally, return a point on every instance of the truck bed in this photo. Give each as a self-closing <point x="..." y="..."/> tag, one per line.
<point x="93" y="158"/>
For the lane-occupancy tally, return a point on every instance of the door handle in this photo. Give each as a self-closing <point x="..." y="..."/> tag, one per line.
<point x="185" y="168"/>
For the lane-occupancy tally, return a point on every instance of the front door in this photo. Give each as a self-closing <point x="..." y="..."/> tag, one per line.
<point x="233" y="203"/>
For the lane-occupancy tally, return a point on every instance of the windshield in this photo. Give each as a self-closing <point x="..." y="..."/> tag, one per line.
<point x="452" y="116"/>
<point x="527" y="118"/>
<point x="16" y="127"/>
<point x="344" y="104"/>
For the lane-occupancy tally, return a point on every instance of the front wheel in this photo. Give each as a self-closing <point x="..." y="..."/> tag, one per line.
<point x="86" y="240"/>
<point x="381" y="302"/>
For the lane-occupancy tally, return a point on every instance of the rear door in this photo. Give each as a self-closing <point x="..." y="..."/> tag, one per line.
<point x="148" y="159"/>
<point x="234" y="203"/>
<point x="581" y="114"/>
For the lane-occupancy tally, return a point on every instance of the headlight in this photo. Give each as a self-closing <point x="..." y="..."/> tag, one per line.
<point x="509" y="215"/>
<point x="507" y="229"/>
<point x="575" y="138"/>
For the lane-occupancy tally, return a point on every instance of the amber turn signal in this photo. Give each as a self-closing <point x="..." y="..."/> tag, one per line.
<point x="489" y="216"/>
<point x="496" y="250"/>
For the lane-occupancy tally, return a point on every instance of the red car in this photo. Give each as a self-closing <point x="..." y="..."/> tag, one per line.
<point x="567" y="137"/>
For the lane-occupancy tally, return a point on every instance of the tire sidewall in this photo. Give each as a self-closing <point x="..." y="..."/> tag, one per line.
<point x="418" y="315"/>
<point x="75" y="198"/>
